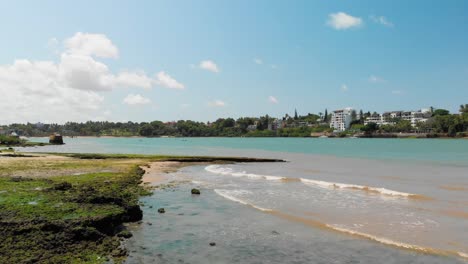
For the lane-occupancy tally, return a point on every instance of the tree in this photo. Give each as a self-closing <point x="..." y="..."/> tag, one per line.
<point x="370" y="128"/>
<point x="361" y="115"/>
<point x="325" y="118"/>
<point x="441" y="112"/>
<point x="295" y="114"/>
<point x="353" y="115"/>
<point x="464" y="108"/>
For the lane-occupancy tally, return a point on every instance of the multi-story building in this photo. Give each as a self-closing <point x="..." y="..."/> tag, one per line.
<point x="341" y="119"/>
<point x="388" y="118"/>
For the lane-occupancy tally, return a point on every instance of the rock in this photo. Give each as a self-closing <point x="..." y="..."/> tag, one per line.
<point x="125" y="234"/>
<point x="62" y="186"/>
<point x="149" y="223"/>
<point x="275" y="232"/>
<point x="195" y="191"/>
<point x="212" y="244"/>
<point x="161" y="210"/>
<point x="120" y="252"/>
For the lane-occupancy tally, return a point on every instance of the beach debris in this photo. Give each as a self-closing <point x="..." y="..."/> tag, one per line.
<point x="275" y="232"/>
<point x="212" y="244"/>
<point x="195" y="191"/>
<point x="161" y="210"/>
<point x="149" y="223"/>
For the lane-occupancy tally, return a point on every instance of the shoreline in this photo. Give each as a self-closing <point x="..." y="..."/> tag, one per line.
<point x="374" y="136"/>
<point x="72" y="207"/>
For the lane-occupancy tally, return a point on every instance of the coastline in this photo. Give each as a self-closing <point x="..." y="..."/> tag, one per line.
<point x="72" y="207"/>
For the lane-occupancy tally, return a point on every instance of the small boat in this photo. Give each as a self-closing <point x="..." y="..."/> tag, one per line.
<point x="323" y="136"/>
<point x="353" y="137"/>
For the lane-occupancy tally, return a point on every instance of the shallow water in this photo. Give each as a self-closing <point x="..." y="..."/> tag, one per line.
<point x="245" y="235"/>
<point x="334" y="201"/>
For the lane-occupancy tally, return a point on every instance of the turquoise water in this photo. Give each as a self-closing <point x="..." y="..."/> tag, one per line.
<point x="392" y="192"/>
<point x="453" y="151"/>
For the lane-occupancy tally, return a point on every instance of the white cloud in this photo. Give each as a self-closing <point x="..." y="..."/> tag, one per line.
<point x="381" y="20"/>
<point x="375" y="79"/>
<point x="136" y="99"/>
<point x="258" y="61"/>
<point x="164" y="79"/>
<point x="92" y="45"/>
<point x="70" y="88"/>
<point x="209" y="66"/>
<point x="273" y="99"/>
<point x="341" y="21"/>
<point x="274" y="66"/>
<point x="134" y="79"/>
<point x="344" y="88"/>
<point x="217" y="103"/>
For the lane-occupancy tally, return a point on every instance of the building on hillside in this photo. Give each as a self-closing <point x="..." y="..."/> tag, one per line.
<point x="374" y="118"/>
<point x="389" y="118"/>
<point x="341" y="119"/>
<point x="276" y="124"/>
<point x="251" y="127"/>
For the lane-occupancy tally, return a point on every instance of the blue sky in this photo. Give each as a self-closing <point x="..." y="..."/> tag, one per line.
<point x="309" y="55"/>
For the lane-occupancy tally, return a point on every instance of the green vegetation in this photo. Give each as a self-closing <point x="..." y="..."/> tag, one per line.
<point x="440" y="121"/>
<point x="7" y="141"/>
<point x="69" y="208"/>
<point x="66" y="219"/>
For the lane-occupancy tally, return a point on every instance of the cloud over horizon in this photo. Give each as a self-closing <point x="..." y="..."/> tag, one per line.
<point x="72" y="86"/>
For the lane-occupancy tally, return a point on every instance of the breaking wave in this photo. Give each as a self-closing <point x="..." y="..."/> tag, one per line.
<point x="228" y="194"/>
<point x="218" y="169"/>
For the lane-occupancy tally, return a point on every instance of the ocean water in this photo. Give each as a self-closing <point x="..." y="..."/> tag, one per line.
<point x="334" y="201"/>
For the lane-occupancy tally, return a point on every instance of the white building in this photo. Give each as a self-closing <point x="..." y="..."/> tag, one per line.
<point x="388" y="118"/>
<point x="341" y="119"/>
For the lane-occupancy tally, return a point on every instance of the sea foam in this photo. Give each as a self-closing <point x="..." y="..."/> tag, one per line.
<point x="228" y="194"/>
<point x="218" y="169"/>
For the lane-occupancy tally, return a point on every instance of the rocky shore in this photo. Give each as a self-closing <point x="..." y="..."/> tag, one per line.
<point x="68" y="208"/>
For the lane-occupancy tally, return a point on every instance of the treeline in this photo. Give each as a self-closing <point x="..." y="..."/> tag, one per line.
<point x="223" y="127"/>
<point x="441" y="122"/>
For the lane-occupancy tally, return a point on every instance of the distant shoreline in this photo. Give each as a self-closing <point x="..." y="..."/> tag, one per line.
<point x="377" y="136"/>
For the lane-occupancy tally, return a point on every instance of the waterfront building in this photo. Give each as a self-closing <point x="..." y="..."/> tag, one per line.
<point x="341" y="119"/>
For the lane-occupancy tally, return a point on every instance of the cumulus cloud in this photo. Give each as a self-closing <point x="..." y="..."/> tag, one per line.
<point x="344" y="88"/>
<point x="381" y="20"/>
<point x="217" y="103"/>
<point x="92" y="45"/>
<point x="273" y="99"/>
<point x="71" y="88"/>
<point x="136" y="99"/>
<point x="166" y="80"/>
<point x="258" y="61"/>
<point x="209" y="66"/>
<point x="342" y="21"/>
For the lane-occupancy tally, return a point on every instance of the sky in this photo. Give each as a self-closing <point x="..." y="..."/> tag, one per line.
<point x="202" y="60"/>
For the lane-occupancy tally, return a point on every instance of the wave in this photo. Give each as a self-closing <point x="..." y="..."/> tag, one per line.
<point x="227" y="194"/>
<point x="317" y="224"/>
<point x="379" y="190"/>
<point x="218" y="169"/>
